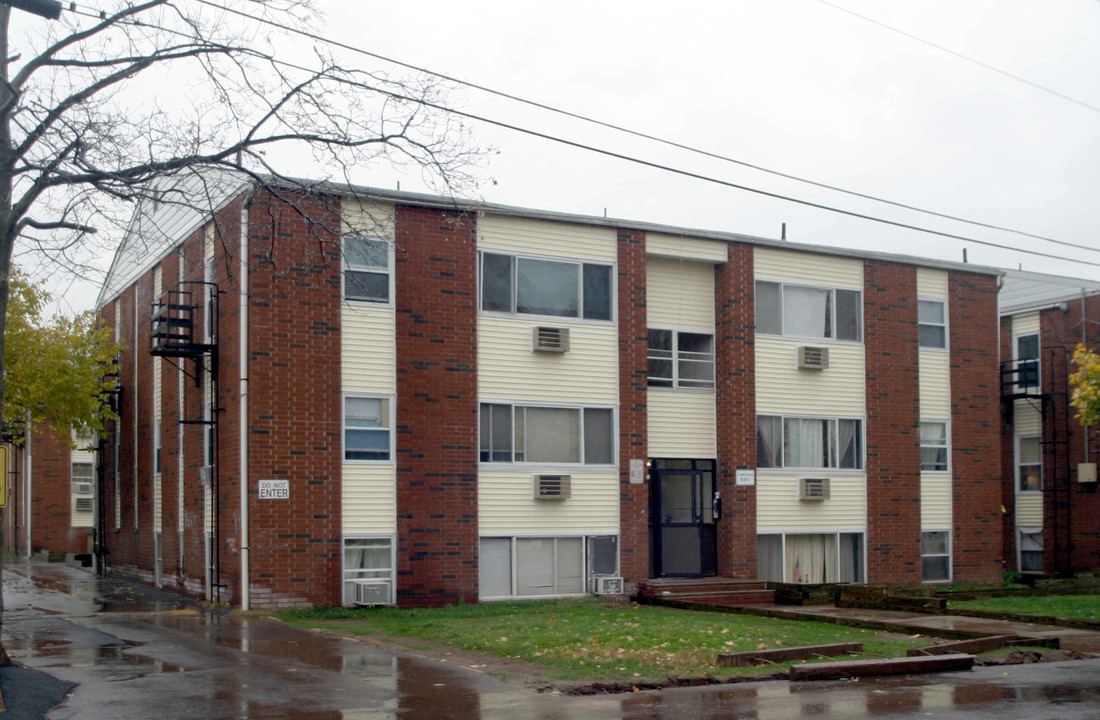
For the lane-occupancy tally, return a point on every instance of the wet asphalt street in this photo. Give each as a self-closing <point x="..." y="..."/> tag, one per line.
<point x="94" y="649"/>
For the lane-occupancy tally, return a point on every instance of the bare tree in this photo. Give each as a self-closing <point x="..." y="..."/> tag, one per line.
<point x="87" y="128"/>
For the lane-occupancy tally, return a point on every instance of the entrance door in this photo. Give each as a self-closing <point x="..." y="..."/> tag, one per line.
<point x="682" y="530"/>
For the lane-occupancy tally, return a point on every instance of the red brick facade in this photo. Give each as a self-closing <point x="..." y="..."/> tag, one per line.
<point x="893" y="422"/>
<point x="735" y="388"/>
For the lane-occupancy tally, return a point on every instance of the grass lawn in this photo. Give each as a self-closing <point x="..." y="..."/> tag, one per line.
<point x="593" y="640"/>
<point x="1085" y="607"/>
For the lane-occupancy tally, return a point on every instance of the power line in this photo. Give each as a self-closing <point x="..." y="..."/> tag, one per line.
<point x="646" y="163"/>
<point x="639" y="134"/>
<point x="961" y="56"/>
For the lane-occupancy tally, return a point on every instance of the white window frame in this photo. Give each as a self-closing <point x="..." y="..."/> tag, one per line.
<point x="391" y="412"/>
<point x="949" y="555"/>
<point x="1020" y="531"/>
<point x="1017" y="361"/>
<point x="1017" y="465"/>
<point x="946" y="446"/>
<point x="513" y="300"/>
<point x="832" y="318"/>
<point x="347" y="266"/>
<point x="946" y="328"/>
<point x="835" y="451"/>
<point x="346" y="578"/>
<point x="675" y="359"/>
<point x="514" y="574"/>
<point x="614" y="463"/>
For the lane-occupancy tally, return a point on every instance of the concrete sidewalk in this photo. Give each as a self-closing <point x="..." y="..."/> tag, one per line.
<point x="950" y="626"/>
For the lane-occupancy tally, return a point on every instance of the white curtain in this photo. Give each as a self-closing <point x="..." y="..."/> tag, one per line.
<point x="811" y="558"/>
<point x="769" y="437"/>
<point x="806" y="312"/>
<point x="807" y="443"/>
<point x="549" y="434"/>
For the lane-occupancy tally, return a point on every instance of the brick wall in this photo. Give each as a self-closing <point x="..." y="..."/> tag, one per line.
<point x="437" y="406"/>
<point x="735" y="387"/>
<point x="975" y="427"/>
<point x="294" y="404"/>
<point x="634" y="560"/>
<point x="51" y="493"/>
<point x="893" y="418"/>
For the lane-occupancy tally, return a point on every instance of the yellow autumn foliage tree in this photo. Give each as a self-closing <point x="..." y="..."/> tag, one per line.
<point x="53" y="367"/>
<point x="1086" y="385"/>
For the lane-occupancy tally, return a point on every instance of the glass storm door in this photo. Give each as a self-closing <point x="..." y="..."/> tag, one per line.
<point x="683" y="519"/>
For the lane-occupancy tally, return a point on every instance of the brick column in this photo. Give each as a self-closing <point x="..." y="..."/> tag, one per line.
<point x="891" y="347"/>
<point x="975" y="428"/>
<point x="735" y="387"/>
<point x="436" y="297"/>
<point x="634" y="562"/>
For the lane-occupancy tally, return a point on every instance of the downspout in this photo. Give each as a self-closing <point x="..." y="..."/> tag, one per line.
<point x="243" y="369"/>
<point x="1084" y="339"/>
<point x="28" y="495"/>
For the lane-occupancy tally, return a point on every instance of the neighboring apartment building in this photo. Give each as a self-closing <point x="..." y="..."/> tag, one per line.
<point x="1051" y="497"/>
<point x="358" y="395"/>
<point x="51" y="495"/>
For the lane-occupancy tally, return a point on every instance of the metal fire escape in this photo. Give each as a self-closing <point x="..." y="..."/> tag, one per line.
<point x="1043" y="383"/>
<point x="172" y="335"/>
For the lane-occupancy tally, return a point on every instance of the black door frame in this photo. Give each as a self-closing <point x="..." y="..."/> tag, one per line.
<point x="704" y="516"/>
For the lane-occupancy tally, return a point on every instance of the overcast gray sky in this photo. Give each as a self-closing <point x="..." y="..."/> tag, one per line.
<point x="797" y="86"/>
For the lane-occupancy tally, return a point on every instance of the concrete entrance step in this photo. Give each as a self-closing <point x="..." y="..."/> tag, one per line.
<point x="710" y="590"/>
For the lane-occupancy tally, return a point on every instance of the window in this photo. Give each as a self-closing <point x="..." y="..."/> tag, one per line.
<point x="1031" y="550"/>
<point x="366" y="269"/>
<point x="534" y="286"/>
<point x="932" y="323"/>
<point x="1029" y="464"/>
<point x="681" y="359"/>
<point x="538" y="434"/>
<point x="532" y="566"/>
<point x="1027" y="362"/>
<point x="808" y="312"/>
<point x="797" y="442"/>
<point x="83" y="475"/>
<point x="367" y="424"/>
<point x="933" y="446"/>
<point x="368" y="559"/>
<point x="810" y="558"/>
<point x="935" y="550"/>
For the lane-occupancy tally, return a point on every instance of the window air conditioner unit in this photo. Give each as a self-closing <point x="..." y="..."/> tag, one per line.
<point x="552" y="487"/>
<point x="82" y="488"/>
<point x="550" y="339"/>
<point x="606" y="585"/>
<point x="372" y="592"/>
<point x="813" y="358"/>
<point x="1086" y="472"/>
<point x="813" y="488"/>
<point x="206" y="475"/>
<point x="84" y="503"/>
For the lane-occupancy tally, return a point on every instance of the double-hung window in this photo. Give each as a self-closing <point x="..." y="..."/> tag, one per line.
<point x="680" y="359"/>
<point x="1029" y="464"/>
<point x="935" y="548"/>
<point x="366" y="269"/>
<point x="808" y="312"/>
<point x="1027" y="362"/>
<point x="803" y="442"/>
<point x="933" y="445"/>
<point x="538" y="286"/>
<point x="541" y="434"/>
<point x="367" y="425"/>
<point x="932" y="323"/>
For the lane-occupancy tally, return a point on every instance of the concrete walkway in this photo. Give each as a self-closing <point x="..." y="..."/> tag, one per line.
<point x="1085" y="641"/>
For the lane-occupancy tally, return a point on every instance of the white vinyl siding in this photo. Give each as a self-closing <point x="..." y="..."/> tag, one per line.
<point x="506" y="505"/>
<point x="1029" y="510"/>
<point x="82" y="518"/>
<point x="932" y="283"/>
<point x="781" y="388"/>
<point x="556" y="240"/>
<point x="369" y="218"/>
<point x="778" y="508"/>
<point x="808" y="268"/>
<point x="935" y="383"/>
<point x="935" y="500"/>
<point x="369" y="499"/>
<point x="1025" y="323"/>
<point x="369" y="350"/>
<point x="680" y="295"/>
<point x="508" y="369"/>
<point x="681" y="424"/>
<point x="158" y="419"/>
<point x="1028" y="419"/>
<point x="673" y="246"/>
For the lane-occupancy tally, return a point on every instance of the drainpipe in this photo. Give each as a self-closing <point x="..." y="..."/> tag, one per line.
<point x="243" y="368"/>
<point x="1084" y="338"/>
<point x="28" y="495"/>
